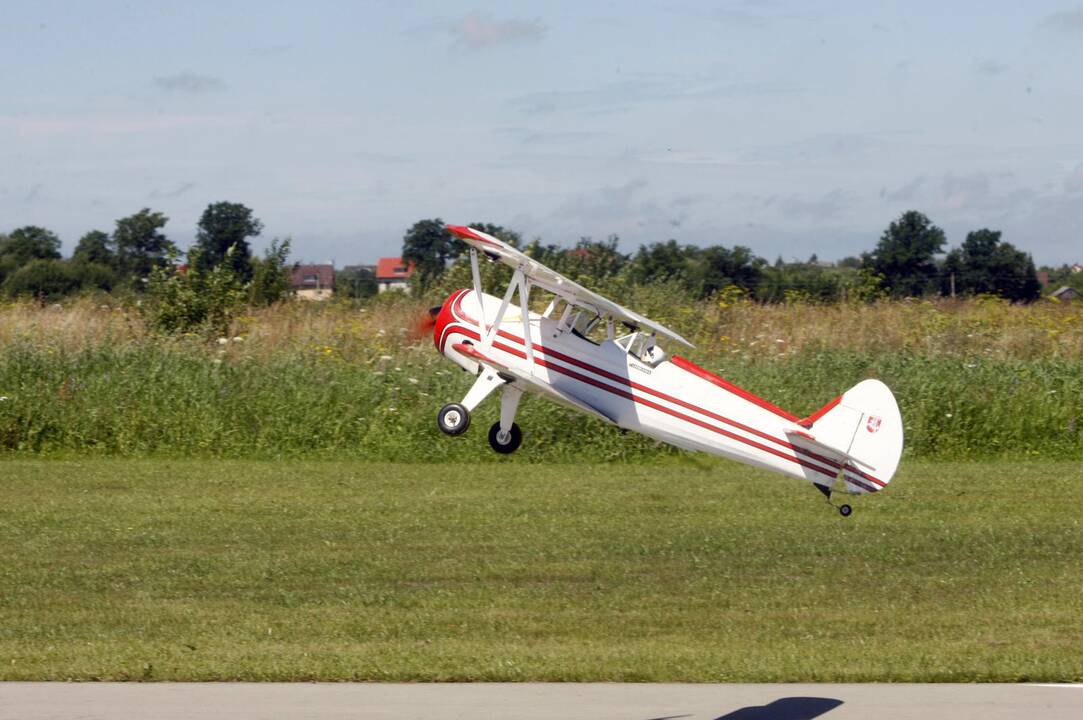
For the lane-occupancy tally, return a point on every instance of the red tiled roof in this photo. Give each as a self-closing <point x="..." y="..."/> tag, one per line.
<point x="393" y="268"/>
<point x="313" y="276"/>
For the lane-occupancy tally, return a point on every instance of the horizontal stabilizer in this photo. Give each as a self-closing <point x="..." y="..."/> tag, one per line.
<point x="803" y="437"/>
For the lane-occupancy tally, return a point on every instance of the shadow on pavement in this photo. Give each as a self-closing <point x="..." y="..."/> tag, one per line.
<point x="791" y="708"/>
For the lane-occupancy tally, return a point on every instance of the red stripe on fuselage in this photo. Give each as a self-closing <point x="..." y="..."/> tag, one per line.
<point x="691" y="367"/>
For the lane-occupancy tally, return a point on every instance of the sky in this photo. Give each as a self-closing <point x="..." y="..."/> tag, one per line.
<point x="792" y="128"/>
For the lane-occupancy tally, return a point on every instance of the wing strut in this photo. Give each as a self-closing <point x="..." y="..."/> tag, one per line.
<point x="524" y="308"/>
<point x="522" y="285"/>
<point x="495" y="327"/>
<point x="476" y="274"/>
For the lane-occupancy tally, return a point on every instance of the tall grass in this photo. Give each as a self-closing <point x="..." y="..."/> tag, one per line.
<point x="973" y="378"/>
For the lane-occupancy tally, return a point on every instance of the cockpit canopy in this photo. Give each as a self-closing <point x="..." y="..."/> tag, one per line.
<point x="643" y="346"/>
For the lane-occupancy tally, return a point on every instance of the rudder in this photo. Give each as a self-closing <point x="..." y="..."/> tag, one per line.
<point x="864" y="424"/>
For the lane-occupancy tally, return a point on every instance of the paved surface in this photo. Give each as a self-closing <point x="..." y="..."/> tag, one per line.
<point x="535" y="701"/>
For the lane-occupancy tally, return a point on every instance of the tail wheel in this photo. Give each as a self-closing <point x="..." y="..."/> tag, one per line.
<point x="453" y="419"/>
<point x="845" y="510"/>
<point x="510" y="441"/>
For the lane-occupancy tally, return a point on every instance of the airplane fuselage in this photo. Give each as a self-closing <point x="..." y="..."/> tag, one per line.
<point x="669" y="399"/>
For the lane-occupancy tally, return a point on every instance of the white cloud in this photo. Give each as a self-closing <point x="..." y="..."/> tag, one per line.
<point x="990" y="68"/>
<point x="479" y="31"/>
<point x="907" y="192"/>
<point x="1074" y="182"/>
<point x="188" y="82"/>
<point x="829" y="205"/>
<point x="1065" y="20"/>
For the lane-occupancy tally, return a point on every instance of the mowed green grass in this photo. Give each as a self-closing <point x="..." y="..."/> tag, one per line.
<point x="691" y="570"/>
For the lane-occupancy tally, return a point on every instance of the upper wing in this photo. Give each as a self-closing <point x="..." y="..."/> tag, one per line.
<point x="554" y="282"/>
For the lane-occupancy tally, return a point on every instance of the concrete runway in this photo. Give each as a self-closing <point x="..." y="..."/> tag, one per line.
<point x="42" y="701"/>
<point x="535" y="701"/>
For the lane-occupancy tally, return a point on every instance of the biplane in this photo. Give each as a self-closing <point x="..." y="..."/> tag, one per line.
<point x="572" y="354"/>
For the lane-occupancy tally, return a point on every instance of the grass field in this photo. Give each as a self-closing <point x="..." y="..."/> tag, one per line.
<point x="686" y="570"/>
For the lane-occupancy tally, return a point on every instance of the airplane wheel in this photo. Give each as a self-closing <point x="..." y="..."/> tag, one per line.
<point x="453" y="419"/>
<point x="845" y="510"/>
<point x="511" y="442"/>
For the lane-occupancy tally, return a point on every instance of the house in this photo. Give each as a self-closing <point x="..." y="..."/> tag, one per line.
<point x="1077" y="268"/>
<point x="393" y="274"/>
<point x="313" y="282"/>
<point x="1066" y="294"/>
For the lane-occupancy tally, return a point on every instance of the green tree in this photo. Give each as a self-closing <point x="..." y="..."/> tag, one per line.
<point x="659" y="262"/>
<point x="141" y="246"/>
<point x="904" y="255"/>
<point x="356" y="282"/>
<point x="802" y="281"/>
<point x="43" y="279"/>
<point x="30" y="243"/>
<point x="93" y="276"/>
<point x="717" y="267"/>
<point x="985" y="265"/>
<point x="95" y="247"/>
<point x="596" y="260"/>
<point x="226" y="225"/>
<point x="430" y="246"/>
<point x="270" y="274"/>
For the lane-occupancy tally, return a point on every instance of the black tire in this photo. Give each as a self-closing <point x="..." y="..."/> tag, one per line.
<point x="453" y="419"/>
<point x="515" y="439"/>
<point x="845" y="510"/>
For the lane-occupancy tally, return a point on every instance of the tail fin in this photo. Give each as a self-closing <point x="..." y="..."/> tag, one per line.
<point x="864" y="429"/>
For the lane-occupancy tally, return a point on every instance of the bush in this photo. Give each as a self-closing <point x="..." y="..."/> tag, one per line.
<point x="192" y="299"/>
<point x="42" y="279"/>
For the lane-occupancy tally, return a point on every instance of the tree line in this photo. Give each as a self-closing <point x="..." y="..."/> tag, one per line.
<point x="137" y="253"/>
<point x="907" y="261"/>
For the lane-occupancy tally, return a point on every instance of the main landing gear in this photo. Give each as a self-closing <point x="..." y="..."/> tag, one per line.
<point x="504" y="436"/>
<point x="844" y="509"/>
<point x="453" y="419"/>
<point x="505" y="442"/>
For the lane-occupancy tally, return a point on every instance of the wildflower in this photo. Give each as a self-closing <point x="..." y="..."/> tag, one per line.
<point x="223" y="341"/>
<point x="380" y="332"/>
<point x="412" y="381"/>
<point x="238" y="338"/>
<point x="3" y="398"/>
<point x="385" y="357"/>
<point x="217" y="361"/>
<point x="947" y="415"/>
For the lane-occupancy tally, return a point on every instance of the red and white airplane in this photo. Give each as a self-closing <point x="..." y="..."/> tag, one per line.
<point x="852" y="443"/>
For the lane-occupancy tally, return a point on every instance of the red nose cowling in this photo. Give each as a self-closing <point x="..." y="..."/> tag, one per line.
<point x="444" y="316"/>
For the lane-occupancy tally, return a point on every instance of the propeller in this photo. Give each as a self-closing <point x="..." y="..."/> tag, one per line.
<point x="425" y="323"/>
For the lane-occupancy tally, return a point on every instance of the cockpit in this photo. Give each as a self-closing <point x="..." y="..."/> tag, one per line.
<point x="587" y="324"/>
<point x="642" y="346"/>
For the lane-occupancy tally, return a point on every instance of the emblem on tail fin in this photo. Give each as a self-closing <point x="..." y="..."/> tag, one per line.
<point x="873" y="424"/>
